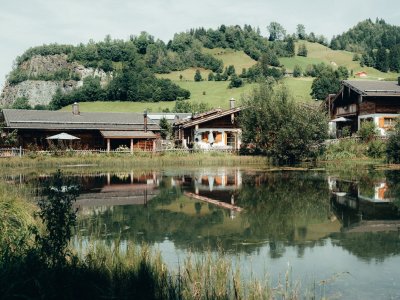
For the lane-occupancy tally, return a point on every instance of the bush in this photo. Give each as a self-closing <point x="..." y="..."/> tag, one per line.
<point x="393" y="146"/>
<point x="280" y="128"/>
<point x="367" y="131"/>
<point x="297" y="71"/>
<point x="376" y="149"/>
<point x="345" y="149"/>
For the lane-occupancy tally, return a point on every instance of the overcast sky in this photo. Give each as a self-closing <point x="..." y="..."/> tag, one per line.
<point x="27" y="23"/>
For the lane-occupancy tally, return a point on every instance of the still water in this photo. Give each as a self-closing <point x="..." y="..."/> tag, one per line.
<point x="337" y="235"/>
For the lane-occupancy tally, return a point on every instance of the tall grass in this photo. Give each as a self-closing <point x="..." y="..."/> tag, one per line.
<point x="137" y="159"/>
<point x="16" y="217"/>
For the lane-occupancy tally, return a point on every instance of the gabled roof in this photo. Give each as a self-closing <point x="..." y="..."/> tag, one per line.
<point x="45" y="119"/>
<point x="208" y="116"/>
<point x="199" y="116"/>
<point x="373" y="87"/>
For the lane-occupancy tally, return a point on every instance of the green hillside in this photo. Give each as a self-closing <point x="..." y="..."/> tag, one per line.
<point x="318" y="53"/>
<point x="217" y="94"/>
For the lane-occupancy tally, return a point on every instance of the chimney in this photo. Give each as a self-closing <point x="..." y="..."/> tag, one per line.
<point x="232" y="103"/>
<point x="145" y="120"/>
<point x="75" y="109"/>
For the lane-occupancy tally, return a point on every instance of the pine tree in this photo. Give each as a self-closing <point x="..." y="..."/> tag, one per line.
<point x="197" y="76"/>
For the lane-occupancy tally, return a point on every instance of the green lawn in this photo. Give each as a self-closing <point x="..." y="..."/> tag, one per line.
<point x="238" y="59"/>
<point x="300" y="88"/>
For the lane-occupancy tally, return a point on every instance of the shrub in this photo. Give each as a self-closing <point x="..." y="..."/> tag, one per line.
<point x="393" y="146"/>
<point x="280" y="128"/>
<point x="367" y="131"/>
<point x="376" y="149"/>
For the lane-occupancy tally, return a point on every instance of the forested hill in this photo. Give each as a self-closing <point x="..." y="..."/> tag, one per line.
<point x="377" y="43"/>
<point x="139" y="68"/>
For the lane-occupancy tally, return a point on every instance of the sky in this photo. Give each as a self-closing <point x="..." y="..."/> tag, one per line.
<point x="27" y="23"/>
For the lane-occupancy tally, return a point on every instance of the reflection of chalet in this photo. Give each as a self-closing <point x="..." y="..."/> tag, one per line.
<point x="115" y="190"/>
<point x="215" y="129"/>
<point x="365" y="100"/>
<point x="357" y="207"/>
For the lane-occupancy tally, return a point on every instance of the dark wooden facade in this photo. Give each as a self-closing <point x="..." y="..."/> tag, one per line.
<point x="96" y="131"/>
<point x="358" y="100"/>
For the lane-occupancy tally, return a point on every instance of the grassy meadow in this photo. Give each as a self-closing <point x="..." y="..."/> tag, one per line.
<point x="318" y="53"/>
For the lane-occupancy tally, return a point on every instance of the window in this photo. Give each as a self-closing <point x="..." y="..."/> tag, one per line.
<point x="389" y="122"/>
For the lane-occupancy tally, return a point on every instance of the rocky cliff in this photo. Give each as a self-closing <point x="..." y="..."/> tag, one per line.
<point x="41" y="91"/>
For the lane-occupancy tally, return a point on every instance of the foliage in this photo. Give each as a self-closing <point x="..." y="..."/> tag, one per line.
<point x="290" y="48"/>
<point x="376" y="149"/>
<point x="297" y="71"/>
<point x="367" y="35"/>
<point x="182" y="106"/>
<point x="276" y="31"/>
<point x="327" y="82"/>
<point x="166" y="128"/>
<point x="302" y="50"/>
<point x="21" y="103"/>
<point x="393" y="146"/>
<point x="57" y="214"/>
<point x="301" y="32"/>
<point x="378" y="42"/>
<point x="382" y="60"/>
<point x="15" y="220"/>
<point x="8" y="138"/>
<point x="276" y="126"/>
<point x="367" y="131"/>
<point x="236" y="81"/>
<point x="197" y="76"/>
<point x="345" y="149"/>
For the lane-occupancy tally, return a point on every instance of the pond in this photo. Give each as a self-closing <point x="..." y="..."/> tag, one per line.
<point x="337" y="235"/>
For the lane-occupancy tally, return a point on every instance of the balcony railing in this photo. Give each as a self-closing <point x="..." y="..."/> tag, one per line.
<point x="346" y="110"/>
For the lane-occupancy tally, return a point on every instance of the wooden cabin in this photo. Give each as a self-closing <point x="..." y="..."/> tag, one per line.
<point x="364" y="100"/>
<point x="95" y="130"/>
<point x="216" y="129"/>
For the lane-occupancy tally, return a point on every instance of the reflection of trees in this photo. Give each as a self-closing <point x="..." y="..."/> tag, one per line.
<point x="282" y="207"/>
<point x="393" y="182"/>
<point x="369" y="246"/>
<point x="278" y="209"/>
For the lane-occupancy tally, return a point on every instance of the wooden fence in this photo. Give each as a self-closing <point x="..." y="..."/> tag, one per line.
<point x="12" y="152"/>
<point x="19" y="152"/>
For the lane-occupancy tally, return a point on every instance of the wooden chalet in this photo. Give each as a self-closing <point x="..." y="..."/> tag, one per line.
<point x="95" y="130"/>
<point x="364" y="100"/>
<point x="215" y="129"/>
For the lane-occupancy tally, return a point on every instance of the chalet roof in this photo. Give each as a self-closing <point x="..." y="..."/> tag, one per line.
<point x="170" y="117"/>
<point x="373" y="87"/>
<point x="128" y="134"/>
<point x="208" y="116"/>
<point x="199" y="116"/>
<point x="45" y="119"/>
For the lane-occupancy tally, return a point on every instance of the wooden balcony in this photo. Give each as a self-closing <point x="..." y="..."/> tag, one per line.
<point x="350" y="109"/>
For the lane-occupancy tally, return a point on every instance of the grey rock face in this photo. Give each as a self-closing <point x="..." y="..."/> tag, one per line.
<point x="40" y="91"/>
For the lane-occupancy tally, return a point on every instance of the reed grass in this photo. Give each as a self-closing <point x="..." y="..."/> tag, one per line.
<point x="138" y="159"/>
<point x="16" y="217"/>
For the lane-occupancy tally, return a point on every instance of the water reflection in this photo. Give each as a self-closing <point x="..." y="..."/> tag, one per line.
<point x="319" y="222"/>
